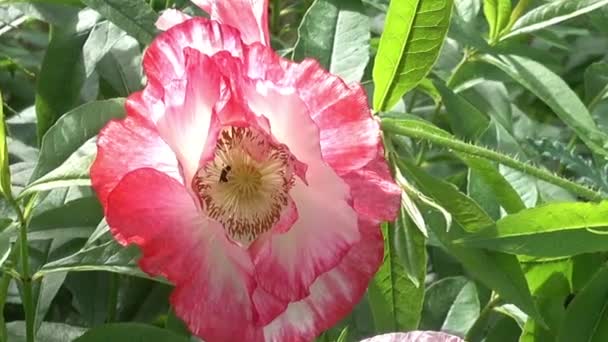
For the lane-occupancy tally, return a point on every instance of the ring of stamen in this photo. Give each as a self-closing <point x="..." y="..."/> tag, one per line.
<point x="246" y="184"/>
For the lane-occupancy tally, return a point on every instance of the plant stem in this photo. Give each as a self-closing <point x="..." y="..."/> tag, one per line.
<point x="393" y="126"/>
<point x="275" y="22"/>
<point x="112" y="297"/>
<point x="4" y="283"/>
<point x="480" y="322"/>
<point x="28" y="302"/>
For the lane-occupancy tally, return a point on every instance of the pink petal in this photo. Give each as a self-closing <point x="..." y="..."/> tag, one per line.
<point x="212" y="277"/>
<point x="415" y="336"/>
<point x="250" y="17"/>
<point x="171" y="17"/>
<point x="350" y="137"/>
<point x="374" y="191"/>
<point x="188" y="115"/>
<point x="126" y="145"/>
<point x="327" y="225"/>
<point x="334" y="294"/>
<point x="164" y="60"/>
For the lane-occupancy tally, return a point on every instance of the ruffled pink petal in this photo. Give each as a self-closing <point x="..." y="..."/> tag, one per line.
<point x="349" y="136"/>
<point x="415" y="336"/>
<point x="126" y="145"/>
<point x="189" y="106"/>
<point x="334" y="294"/>
<point x="164" y="60"/>
<point x="375" y="194"/>
<point x="212" y="277"/>
<point x="250" y="17"/>
<point x="169" y="18"/>
<point x="326" y="228"/>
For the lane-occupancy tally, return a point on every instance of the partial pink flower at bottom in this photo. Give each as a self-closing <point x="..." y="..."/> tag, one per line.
<point x="254" y="184"/>
<point x="415" y="336"/>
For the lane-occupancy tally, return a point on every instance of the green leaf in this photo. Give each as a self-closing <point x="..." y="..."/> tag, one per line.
<point x="5" y="172"/>
<point x="337" y="34"/>
<point x="552" y="230"/>
<point x="413" y="35"/>
<point x="552" y="90"/>
<point x="500" y="272"/>
<point x="62" y="73"/>
<point x="129" y="332"/>
<point x="497" y="14"/>
<point x="395" y="300"/>
<point x="72" y="131"/>
<point x="552" y="13"/>
<point x="450" y="304"/>
<point x="463" y="312"/>
<point x="135" y="17"/>
<point x="504" y="192"/>
<point x="464" y="210"/>
<point x="100" y="41"/>
<point x="121" y="67"/>
<point x="587" y="315"/>
<point x="109" y="257"/>
<point x="410" y="247"/>
<point x="48" y="332"/>
<point x="596" y="83"/>
<point x="584" y="169"/>
<point x="73" y="172"/>
<point x="5" y="247"/>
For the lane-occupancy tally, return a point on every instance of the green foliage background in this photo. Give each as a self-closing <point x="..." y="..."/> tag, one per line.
<point x="495" y="119"/>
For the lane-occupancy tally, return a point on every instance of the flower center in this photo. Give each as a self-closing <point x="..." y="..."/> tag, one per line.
<point x="245" y="186"/>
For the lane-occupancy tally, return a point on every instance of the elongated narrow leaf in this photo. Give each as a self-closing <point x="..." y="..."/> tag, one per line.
<point x="552" y="90"/>
<point x="552" y="13"/>
<point x="71" y="132"/>
<point x="73" y="172"/>
<point x="499" y="271"/>
<point x="395" y="300"/>
<point x="109" y="257"/>
<point x="136" y="17"/>
<point x="596" y="83"/>
<point x="5" y="172"/>
<point x="553" y="230"/>
<point x="336" y="33"/>
<point x="413" y="35"/>
<point x="497" y="14"/>
<point x="451" y="305"/>
<point x="130" y="332"/>
<point x="464" y="210"/>
<point x="5" y="247"/>
<point x="586" y="318"/>
<point x="62" y="73"/>
<point x="504" y="192"/>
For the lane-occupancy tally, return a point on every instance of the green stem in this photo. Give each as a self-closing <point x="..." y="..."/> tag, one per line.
<point x="112" y="297"/>
<point x="597" y="99"/>
<point x="28" y="302"/>
<point x="468" y="55"/>
<point x="275" y="22"/>
<point x="4" y="283"/>
<point x="476" y="329"/>
<point x="393" y="126"/>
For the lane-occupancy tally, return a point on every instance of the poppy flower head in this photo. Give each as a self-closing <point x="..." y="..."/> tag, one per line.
<point x="254" y="184"/>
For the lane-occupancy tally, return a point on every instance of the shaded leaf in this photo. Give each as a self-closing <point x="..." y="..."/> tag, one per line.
<point x="62" y="72"/>
<point x="337" y="34"/>
<point x="135" y="17"/>
<point x="552" y="13"/>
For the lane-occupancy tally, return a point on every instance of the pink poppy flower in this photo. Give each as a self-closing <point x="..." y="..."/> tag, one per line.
<point x="254" y="184"/>
<point x="415" y="336"/>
